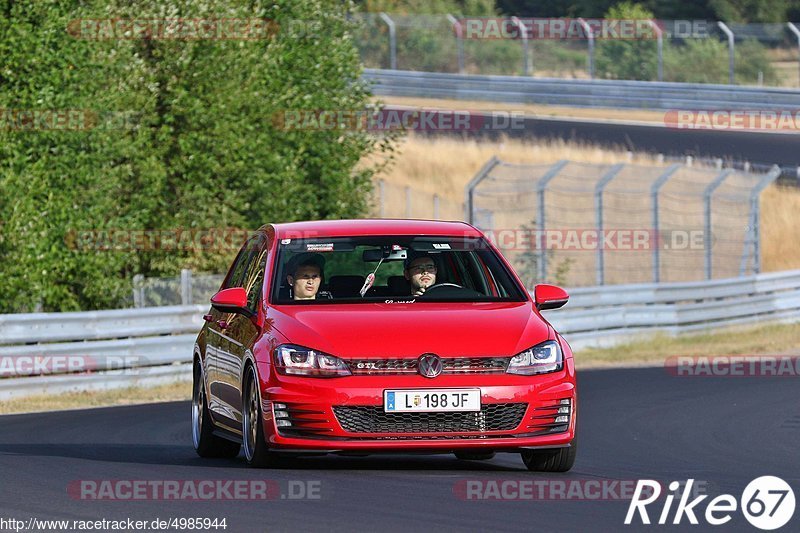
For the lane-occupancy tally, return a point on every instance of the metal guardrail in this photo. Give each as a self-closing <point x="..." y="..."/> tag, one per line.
<point x="595" y="316"/>
<point x="577" y="92"/>
<point x="603" y="316"/>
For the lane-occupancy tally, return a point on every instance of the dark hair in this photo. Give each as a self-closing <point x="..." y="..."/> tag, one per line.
<point x="305" y="259"/>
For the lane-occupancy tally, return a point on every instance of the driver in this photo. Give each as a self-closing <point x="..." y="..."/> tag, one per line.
<point x="304" y="275"/>
<point x="420" y="271"/>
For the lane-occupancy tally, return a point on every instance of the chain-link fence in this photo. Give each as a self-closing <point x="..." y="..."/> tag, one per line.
<point x="682" y="51"/>
<point x="586" y="224"/>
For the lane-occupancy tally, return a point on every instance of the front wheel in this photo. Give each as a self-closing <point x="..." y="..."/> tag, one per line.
<point x="206" y="444"/>
<point x="555" y="460"/>
<point x="255" y="445"/>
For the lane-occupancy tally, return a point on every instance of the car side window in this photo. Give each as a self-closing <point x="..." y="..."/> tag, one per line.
<point x="236" y="276"/>
<point x="254" y="278"/>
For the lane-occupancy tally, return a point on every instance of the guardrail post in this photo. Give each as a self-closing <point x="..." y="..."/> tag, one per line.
<point x="707" y="210"/>
<point x="527" y="63"/>
<point x="459" y="41"/>
<point x="138" y="290"/>
<point x="540" y="219"/>
<point x="186" y="286"/>
<point x="590" y="37"/>
<point x="654" y="189"/>
<point x="731" y="46"/>
<point x="392" y="40"/>
<point x="796" y="32"/>
<point x="598" y="206"/>
<point x="483" y="173"/>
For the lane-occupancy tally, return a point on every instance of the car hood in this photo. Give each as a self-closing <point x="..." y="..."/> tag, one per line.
<point x="409" y="330"/>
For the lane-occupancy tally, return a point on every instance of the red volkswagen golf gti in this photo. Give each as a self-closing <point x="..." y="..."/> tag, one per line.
<point x="367" y="336"/>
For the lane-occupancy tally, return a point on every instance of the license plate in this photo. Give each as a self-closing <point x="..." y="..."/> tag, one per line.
<point x="431" y="400"/>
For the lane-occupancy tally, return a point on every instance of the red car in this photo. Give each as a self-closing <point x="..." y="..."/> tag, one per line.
<point x="367" y="336"/>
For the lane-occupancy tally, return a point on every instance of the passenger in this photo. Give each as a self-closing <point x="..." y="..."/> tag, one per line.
<point x="304" y="275"/>
<point x="420" y="271"/>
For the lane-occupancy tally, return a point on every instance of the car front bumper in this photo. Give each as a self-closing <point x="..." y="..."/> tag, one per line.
<point x="517" y="412"/>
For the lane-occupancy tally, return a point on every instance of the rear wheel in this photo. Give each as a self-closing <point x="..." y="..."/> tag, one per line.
<point x="555" y="460"/>
<point x="474" y="456"/>
<point x="255" y="446"/>
<point x="205" y="442"/>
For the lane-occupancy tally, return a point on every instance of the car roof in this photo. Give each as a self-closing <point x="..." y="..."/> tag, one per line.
<point x="378" y="226"/>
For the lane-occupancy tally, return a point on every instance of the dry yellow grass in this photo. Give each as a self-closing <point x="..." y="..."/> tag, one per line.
<point x="85" y="400"/>
<point x="444" y="166"/>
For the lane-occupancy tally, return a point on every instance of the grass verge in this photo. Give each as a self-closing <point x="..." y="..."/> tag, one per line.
<point x="84" y="400"/>
<point x="771" y="339"/>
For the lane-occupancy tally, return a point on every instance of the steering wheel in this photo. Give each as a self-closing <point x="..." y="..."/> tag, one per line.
<point x="442" y="285"/>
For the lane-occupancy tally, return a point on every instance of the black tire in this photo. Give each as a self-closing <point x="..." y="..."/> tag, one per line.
<point x="474" y="456"/>
<point x="206" y="444"/>
<point x="256" y="451"/>
<point x="555" y="460"/>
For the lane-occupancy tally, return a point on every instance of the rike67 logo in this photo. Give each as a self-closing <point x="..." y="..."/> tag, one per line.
<point x="767" y="502"/>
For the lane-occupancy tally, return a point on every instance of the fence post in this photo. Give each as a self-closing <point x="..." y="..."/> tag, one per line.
<point x="590" y="37"/>
<point x="755" y="218"/>
<point x="436" y="206"/>
<point x="660" y="47"/>
<point x="526" y="59"/>
<point x="392" y="40"/>
<point x="796" y="32"/>
<point x="138" y="291"/>
<point x="654" y="189"/>
<point x="598" y="207"/>
<point x="459" y="41"/>
<point x="186" y="286"/>
<point x="381" y="198"/>
<point x="482" y="174"/>
<point x="709" y="191"/>
<point x="551" y="173"/>
<point x="408" y="201"/>
<point x="731" y="46"/>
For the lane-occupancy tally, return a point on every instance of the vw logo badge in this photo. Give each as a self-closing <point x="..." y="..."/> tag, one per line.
<point x="430" y="365"/>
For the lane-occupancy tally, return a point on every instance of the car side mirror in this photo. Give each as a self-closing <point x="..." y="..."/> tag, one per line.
<point x="549" y="297"/>
<point x="233" y="300"/>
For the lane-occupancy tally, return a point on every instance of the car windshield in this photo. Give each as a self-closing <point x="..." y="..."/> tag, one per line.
<point x="390" y="269"/>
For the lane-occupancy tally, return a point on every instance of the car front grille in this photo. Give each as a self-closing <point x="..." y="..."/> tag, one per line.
<point x="450" y="365"/>
<point x="371" y="419"/>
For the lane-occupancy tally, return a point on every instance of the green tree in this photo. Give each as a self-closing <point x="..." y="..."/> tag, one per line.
<point x="204" y="148"/>
<point x="634" y="59"/>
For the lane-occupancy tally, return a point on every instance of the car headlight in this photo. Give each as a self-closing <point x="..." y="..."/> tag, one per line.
<point x="295" y="360"/>
<point x="542" y="358"/>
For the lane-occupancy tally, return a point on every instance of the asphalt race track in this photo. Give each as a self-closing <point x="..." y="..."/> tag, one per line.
<point x="633" y="424"/>
<point x="758" y="148"/>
